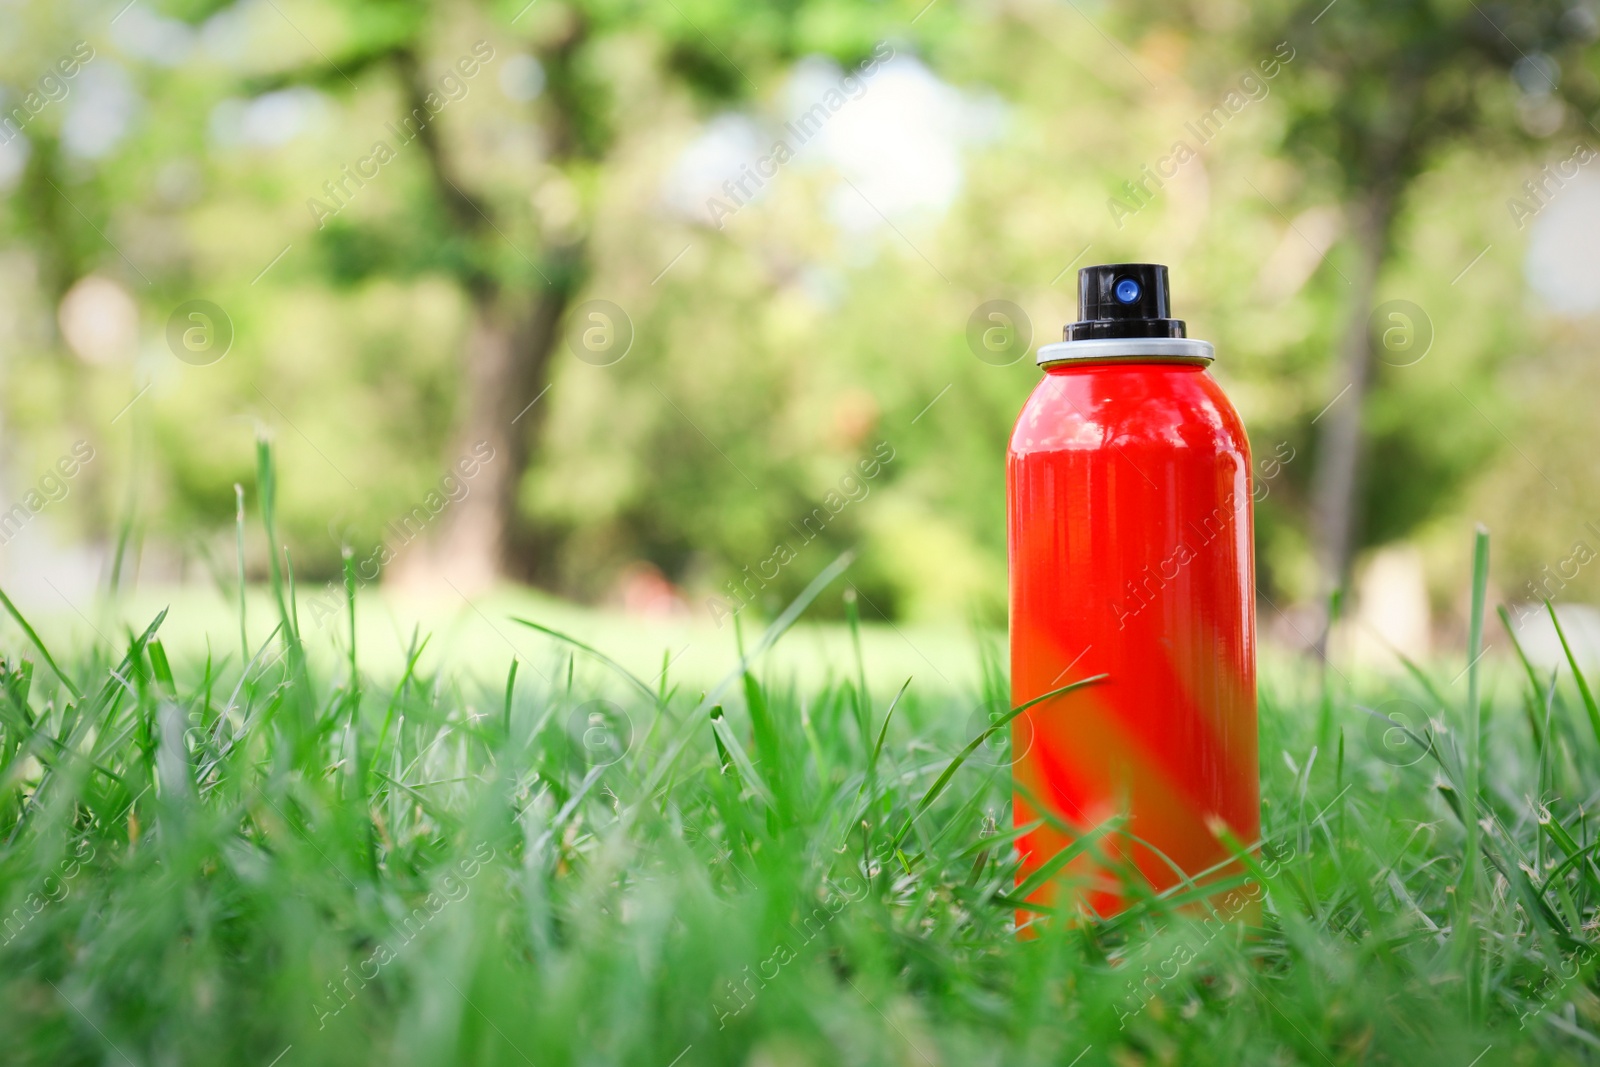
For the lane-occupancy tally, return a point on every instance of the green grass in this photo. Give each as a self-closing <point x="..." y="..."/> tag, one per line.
<point x="264" y="858"/>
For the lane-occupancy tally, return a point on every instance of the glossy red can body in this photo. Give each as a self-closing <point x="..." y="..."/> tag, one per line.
<point x="1129" y="515"/>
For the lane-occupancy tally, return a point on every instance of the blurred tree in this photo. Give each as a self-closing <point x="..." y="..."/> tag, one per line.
<point x="1381" y="91"/>
<point x="519" y="302"/>
<point x="780" y="348"/>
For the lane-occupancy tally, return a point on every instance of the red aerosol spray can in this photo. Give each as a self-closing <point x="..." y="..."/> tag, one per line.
<point x="1128" y="504"/>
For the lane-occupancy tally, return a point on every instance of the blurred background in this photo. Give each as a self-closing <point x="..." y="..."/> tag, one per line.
<point x="640" y="314"/>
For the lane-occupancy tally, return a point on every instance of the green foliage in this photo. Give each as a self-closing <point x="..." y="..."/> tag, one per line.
<point x="1400" y="119"/>
<point x="781" y="348"/>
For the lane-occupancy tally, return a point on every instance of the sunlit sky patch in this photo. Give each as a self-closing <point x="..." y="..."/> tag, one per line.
<point x="895" y="143"/>
<point x="1563" y="260"/>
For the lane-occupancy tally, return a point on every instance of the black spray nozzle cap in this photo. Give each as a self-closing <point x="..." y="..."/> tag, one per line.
<point x="1123" y="300"/>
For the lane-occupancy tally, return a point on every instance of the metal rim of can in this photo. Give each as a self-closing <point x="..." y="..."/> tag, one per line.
<point x="1127" y="350"/>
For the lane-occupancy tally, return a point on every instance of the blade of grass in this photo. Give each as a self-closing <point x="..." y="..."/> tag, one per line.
<point x="724" y="760"/>
<point x="161" y="668"/>
<point x="1584" y="691"/>
<point x="1325" y="651"/>
<point x="999" y="839"/>
<point x="1047" y="870"/>
<point x="1134" y="884"/>
<point x="266" y="497"/>
<point x="621" y="671"/>
<point x="125" y="522"/>
<point x="511" y="690"/>
<point x="1573" y="850"/>
<point x="294" y="603"/>
<point x="1572" y="860"/>
<point x="99" y="712"/>
<point x="415" y="653"/>
<point x="972" y="746"/>
<point x="1473" y="740"/>
<point x="883" y="733"/>
<point x="298" y="696"/>
<point x="1422" y="679"/>
<point x="769" y="749"/>
<point x="44" y="653"/>
<point x="238" y="524"/>
<point x="778" y="628"/>
<point x="1533" y="677"/>
<point x="729" y="749"/>
<point x="233" y="702"/>
<point x="347" y="557"/>
<point x="863" y="703"/>
<point x="1424" y="740"/>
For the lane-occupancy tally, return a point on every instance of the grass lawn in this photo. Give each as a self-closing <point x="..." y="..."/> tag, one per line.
<point x="299" y="860"/>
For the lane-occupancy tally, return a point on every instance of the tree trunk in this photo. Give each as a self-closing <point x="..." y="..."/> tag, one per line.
<point x="509" y="356"/>
<point x="1336" y="480"/>
<point x="513" y="339"/>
